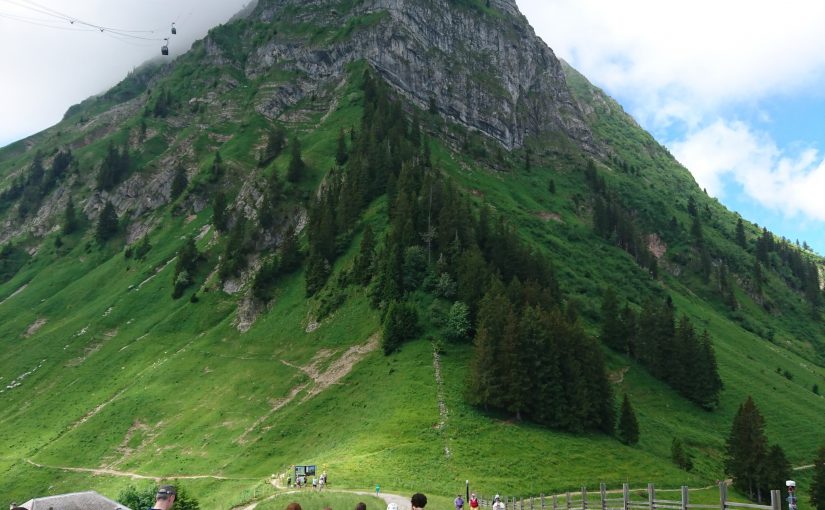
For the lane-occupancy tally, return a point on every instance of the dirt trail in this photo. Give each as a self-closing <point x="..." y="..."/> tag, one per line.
<point x="442" y="403"/>
<point x="321" y="380"/>
<point x="136" y="476"/>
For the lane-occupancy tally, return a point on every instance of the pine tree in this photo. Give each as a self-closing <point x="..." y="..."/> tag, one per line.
<point x="741" y="240"/>
<point x="775" y="471"/>
<point x="106" y="223"/>
<point x="364" y="260"/>
<point x="295" y="170"/>
<point x="628" y="425"/>
<point x="275" y="140"/>
<point x="290" y="253"/>
<point x="400" y="325"/>
<point x="69" y="218"/>
<point x="219" y="214"/>
<point x="818" y="483"/>
<point x="746" y="448"/>
<point x="341" y="155"/>
<point x="179" y="182"/>
<point x="485" y="376"/>
<point x="612" y="332"/>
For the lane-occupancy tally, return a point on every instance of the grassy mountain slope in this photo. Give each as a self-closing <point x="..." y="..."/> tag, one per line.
<point x="103" y="369"/>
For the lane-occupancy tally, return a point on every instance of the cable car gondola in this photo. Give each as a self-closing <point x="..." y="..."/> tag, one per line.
<point x="174" y="30"/>
<point x="164" y="50"/>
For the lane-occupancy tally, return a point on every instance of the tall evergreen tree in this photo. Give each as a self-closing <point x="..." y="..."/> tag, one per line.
<point x="69" y="217"/>
<point x="106" y="223"/>
<point x="364" y="260"/>
<point x="628" y="425"/>
<point x="612" y="330"/>
<point x="775" y="471"/>
<point x="741" y="240"/>
<point x="219" y="215"/>
<point x="341" y="155"/>
<point x="295" y="170"/>
<point x="746" y="448"/>
<point x="179" y="182"/>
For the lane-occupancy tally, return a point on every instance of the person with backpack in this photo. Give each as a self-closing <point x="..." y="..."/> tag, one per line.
<point x="473" y="502"/>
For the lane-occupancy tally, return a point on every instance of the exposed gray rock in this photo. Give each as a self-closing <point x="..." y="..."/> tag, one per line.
<point x="488" y="72"/>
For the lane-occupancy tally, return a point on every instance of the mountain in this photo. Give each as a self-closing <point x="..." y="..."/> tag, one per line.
<point x="201" y="267"/>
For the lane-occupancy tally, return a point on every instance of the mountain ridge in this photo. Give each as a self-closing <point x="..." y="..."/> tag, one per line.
<point x="169" y="385"/>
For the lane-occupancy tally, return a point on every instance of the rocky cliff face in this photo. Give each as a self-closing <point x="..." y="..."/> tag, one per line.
<point x="481" y="67"/>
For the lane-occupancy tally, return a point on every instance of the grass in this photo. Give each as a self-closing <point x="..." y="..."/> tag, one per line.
<point x="120" y="376"/>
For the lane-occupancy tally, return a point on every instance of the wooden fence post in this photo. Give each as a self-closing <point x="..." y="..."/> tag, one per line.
<point x="567" y="501"/>
<point x="603" y="495"/>
<point x="521" y="503"/>
<point x="651" y="496"/>
<point x="555" y="502"/>
<point x="625" y="496"/>
<point x="531" y="503"/>
<point x="685" y="497"/>
<point x="542" y="501"/>
<point x="723" y="495"/>
<point x="776" y="500"/>
<point x="584" y="498"/>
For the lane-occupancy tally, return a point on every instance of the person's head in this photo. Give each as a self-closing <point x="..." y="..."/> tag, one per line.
<point x="293" y="506"/>
<point x="418" y="500"/>
<point x="167" y="493"/>
<point x="361" y="506"/>
<point x="497" y="498"/>
<point x="473" y="495"/>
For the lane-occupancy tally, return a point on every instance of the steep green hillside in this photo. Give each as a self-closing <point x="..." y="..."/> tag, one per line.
<point x="235" y="380"/>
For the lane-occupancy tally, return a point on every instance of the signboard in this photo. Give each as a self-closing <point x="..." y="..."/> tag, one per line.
<point x="305" y="470"/>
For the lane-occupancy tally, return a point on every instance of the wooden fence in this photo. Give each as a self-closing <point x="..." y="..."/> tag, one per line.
<point x="624" y="501"/>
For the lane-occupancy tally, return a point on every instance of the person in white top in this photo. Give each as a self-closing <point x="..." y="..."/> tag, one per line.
<point x="497" y="504"/>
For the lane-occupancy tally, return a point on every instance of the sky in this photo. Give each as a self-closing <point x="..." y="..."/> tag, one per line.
<point x="735" y="89"/>
<point x="46" y="69"/>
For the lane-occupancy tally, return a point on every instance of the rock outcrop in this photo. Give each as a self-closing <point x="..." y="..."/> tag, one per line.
<point x="483" y="68"/>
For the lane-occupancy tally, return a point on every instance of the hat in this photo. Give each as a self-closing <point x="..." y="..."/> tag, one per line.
<point x="165" y="491"/>
<point x="497" y="497"/>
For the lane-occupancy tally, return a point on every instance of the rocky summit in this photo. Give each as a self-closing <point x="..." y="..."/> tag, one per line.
<point x="400" y="241"/>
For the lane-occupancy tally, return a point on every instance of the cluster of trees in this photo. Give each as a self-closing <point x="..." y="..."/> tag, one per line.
<point x="185" y="265"/>
<point x="613" y="222"/>
<point x="116" y="165"/>
<point x="164" y="103"/>
<point x="798" y="272"/>
<point x="30" y="187"/>
<point x="755" y="466"/>
<point x="671" y="351"/>
<point x="531" y="357"/>
<point x="535" y="361"/>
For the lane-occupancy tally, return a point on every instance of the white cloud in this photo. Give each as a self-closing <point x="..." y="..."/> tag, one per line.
<point x="688" y="71"/>
<point x="46" y="70"/>
<point x="790" y="183"/>
<point x="681" y="61"/>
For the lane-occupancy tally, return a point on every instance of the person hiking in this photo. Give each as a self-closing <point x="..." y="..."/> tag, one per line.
<point x="497" y="504"/>
<point x="459" y="503"/>
<point x="473" y="502"/>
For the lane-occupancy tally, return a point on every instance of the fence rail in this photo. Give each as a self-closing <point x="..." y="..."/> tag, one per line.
<point x="600" y="501"/>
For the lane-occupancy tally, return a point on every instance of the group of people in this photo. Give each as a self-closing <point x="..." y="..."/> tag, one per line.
<point x="301" y="481"/>
<point x="459" y="502"/>
<point x="418" y="501"/>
